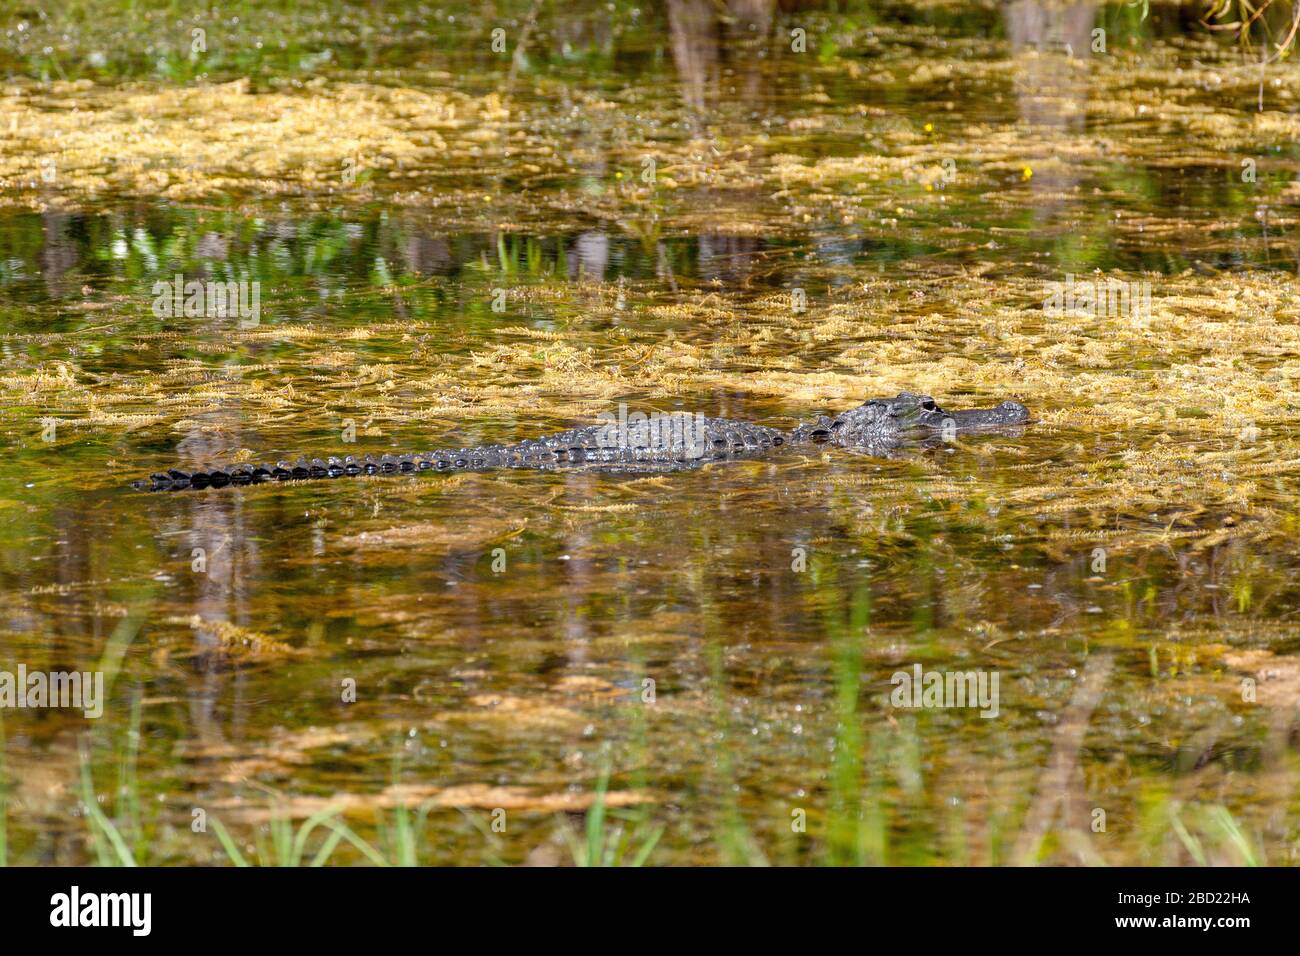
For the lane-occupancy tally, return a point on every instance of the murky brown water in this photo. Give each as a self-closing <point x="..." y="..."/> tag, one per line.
<point x="678" y="214"/>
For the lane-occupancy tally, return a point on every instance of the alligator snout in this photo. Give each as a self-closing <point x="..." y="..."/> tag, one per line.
<point x="1007" y="413"/>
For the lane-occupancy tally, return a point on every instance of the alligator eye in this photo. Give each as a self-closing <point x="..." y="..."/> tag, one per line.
<point x="929" y="405"/>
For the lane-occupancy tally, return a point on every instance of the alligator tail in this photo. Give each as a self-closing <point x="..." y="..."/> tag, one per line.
<point x="305" y="469"/>
<point x="523" y="455"/>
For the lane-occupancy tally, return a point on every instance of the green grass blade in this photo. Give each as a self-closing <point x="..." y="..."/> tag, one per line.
<point x="1226" y="822"/>
<point x="228" y="844"/>
<point x="370" y="853"/>
<point x="647" y="848"/>
<point x="304" y="831"/>
<point x="1190" y="842"/>
<point x="596" y="821"/>
<point x="105" y="825"/>
<point x="326" y="849"/>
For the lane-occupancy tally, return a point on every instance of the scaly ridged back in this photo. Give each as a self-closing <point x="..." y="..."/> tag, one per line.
<point x="596" y="448"/>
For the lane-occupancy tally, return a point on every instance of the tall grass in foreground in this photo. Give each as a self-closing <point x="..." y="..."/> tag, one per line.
<point x="114" y="844"/>
<point x="1204" y="834"/>
<point x="609" y="838"/>
<point x="861" y="826"/>
<point x="288" y="846"/>
<point x="616" y="844"/>
<point x="855" y="828"/>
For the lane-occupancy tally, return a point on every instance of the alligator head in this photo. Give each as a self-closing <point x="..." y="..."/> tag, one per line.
<point x="905" y="417"/>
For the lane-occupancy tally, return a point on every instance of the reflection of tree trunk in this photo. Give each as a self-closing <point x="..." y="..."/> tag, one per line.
<point x="1047" y="94"/>
<point x="59" y="254"/>
<point x="1051" y="98"/>
<point x="695" y="48"/>
<point x="699" y="46"/>
<point x="75" y="533"/>
<point x="589" y="256"/>
<point x="749" y="21"/>
<point x="719" y="51"/>
<point x="729" y="258"/>
<point x="425" y="254"/>
<point x="219" y="528"/>
<point x="749" y="17"/>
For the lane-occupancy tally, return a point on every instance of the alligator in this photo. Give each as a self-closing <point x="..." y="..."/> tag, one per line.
<point x="638" y="444"/>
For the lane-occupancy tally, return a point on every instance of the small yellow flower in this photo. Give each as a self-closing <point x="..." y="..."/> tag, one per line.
<point x="1027" y="173"/>
<point x="929" y="127"/>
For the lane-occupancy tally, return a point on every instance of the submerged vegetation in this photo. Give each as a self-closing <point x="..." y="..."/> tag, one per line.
<point x="657" y="205"/>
